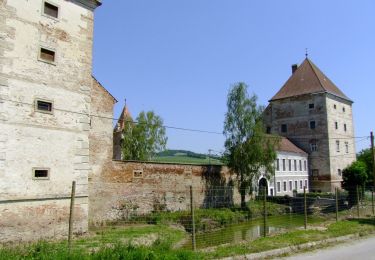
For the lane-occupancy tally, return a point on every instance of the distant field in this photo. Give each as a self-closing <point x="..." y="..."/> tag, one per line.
<point x="186" y="159"/>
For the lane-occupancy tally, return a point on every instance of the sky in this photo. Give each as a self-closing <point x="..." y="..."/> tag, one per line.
<point x="180" y="58"/>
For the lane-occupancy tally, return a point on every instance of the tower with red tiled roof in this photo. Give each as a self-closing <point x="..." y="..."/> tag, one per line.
<point x="315" y="115"/>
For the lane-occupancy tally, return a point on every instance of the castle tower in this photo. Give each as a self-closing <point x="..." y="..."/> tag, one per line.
<point x="45" y="101"/>
<point x="316" y="116"/>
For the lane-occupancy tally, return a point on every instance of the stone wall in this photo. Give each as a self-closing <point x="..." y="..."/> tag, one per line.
<point x="148" y="186"/>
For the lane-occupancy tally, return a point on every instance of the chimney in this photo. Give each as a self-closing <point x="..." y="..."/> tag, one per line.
<point x="294" y="68"/>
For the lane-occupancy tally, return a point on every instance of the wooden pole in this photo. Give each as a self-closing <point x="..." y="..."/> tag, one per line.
<point x="372" y="201"/>
<point x="71" y="215"/>
<point x="265" y="211"/>
<point x="373" y="157"/>
<point x="337" y="205"/>
<point x="192" y="219"/>
<point x="305" y="206"/>
<point x="357" y="201"/>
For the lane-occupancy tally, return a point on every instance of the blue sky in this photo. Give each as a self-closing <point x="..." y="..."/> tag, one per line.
<point x="179" y="58"/>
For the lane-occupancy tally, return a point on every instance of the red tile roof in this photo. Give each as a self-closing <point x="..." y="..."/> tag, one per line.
<point x="286" y="145"/>
<point x="308" y="79"/>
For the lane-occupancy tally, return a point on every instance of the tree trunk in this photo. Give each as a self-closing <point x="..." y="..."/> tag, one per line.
<point x="242" y="192"/>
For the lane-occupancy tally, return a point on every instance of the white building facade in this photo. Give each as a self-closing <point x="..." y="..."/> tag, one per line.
<point x="45" y="103"/>
<point x="291" y="171"/>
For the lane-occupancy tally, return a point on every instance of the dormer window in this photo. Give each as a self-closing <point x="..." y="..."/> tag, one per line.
<point x="51" y="10"/>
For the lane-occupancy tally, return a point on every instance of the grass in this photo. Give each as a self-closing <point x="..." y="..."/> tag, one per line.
<point x="165" y="230"/>
<point x="188" y="160"/>
<point x="162" y="247"/>
<point x="210" y="219"/>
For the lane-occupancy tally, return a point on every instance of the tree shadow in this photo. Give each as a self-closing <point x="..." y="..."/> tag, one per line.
<point x="367" y="221"/>
<point x="218" y="189"/>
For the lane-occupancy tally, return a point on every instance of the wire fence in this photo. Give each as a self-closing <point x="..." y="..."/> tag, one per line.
<point x="200" y="217"/>
<point x="196" y="218"/>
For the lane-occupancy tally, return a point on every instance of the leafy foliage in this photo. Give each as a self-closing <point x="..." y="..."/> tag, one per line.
<point x="143" y="139"/>
<point x="365" y="156"/>
<point x="354" y="176"/>
<point x="248" y="148"/>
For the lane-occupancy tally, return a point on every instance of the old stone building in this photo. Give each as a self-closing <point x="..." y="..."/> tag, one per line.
<point x="45" y="106"/>
<point x="317" y="117"/>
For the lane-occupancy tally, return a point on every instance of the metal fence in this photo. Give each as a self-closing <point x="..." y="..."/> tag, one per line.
<point x="196" y="218"/>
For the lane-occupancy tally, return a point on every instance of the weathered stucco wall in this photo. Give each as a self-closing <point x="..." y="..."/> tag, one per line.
<point x="59" y="140"/>
<point x="150" y="186"/>
<point x="340" y="111"/>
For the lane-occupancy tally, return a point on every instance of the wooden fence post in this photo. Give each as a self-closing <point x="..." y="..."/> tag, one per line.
<point x="192" y="219"/>
<point x="71" y="215"/>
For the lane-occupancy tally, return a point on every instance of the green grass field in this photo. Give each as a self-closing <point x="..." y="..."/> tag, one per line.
<point x="187" y="159"/>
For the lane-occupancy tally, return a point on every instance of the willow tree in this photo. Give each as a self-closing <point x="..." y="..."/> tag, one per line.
<point x="249" y="150"/>
<point x="143" y="138"/>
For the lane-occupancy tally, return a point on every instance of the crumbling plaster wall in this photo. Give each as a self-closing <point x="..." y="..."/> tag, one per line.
<point x="58" y="141"/>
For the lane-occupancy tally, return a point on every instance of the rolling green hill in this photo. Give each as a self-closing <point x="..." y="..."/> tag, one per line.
<point x="183" y="156"/>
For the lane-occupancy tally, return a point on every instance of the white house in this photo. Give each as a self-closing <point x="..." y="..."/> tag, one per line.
<point x="291" y="171"/>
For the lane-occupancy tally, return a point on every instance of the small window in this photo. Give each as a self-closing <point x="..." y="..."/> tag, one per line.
<point x="312" y="124"/>
<point x="311" y="106"/>
<point x="314" y="145"/>
<point x="284" y="167"/>
<point x="339" y="172"/>
<point x="347" y="147"/>
<point x="47" y="55"/>
<point x="277" y="165"/>
<point x="300" y="165"/>
<point x="138" y="174"/>
<point x="334" y="106"/>
<point x="295" y="185"/>
<point x="51" y="10"/>
<point x="284" y="185"/>
<point x="295" y="165"/>
<point x="336" y="125"/>
<point x="343" y="109"/>
<point x="290" y="165"/>
<point x="315" y="173"/>
<point x="44" y="106"/>
<point x="278" y="186"/>
<point x="40" y="174"/>
<point x="300" y="185"/>
<point x="337" y="146"/>
<point x="284" y="128"/>
<point x="290" y="185"/>
<point x="345" y="127"/>
<point x="304" y="165"/>
<point x="306" y="184"/>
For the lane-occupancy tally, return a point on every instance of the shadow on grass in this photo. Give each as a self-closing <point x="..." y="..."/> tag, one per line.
<point x="367" y="221"/>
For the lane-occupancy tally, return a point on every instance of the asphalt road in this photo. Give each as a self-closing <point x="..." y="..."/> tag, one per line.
<point x="357" y="249"/>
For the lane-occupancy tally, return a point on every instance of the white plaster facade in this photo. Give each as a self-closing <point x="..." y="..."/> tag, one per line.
<point x="291" y="174"/>
<point x="57" y="140"/>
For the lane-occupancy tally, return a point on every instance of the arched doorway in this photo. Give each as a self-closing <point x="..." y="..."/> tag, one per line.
<point x="263" y="186"/>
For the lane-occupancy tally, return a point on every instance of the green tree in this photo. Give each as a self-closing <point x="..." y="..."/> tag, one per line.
<point x="144" y="138"/>
<point x="248" y="148"/>
<point x="354" y="176"/>
<point x="365" y="156"/>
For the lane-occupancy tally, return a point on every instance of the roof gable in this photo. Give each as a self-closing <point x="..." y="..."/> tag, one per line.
<point x="308" y="79"/>
<point x="286" y="145"/>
